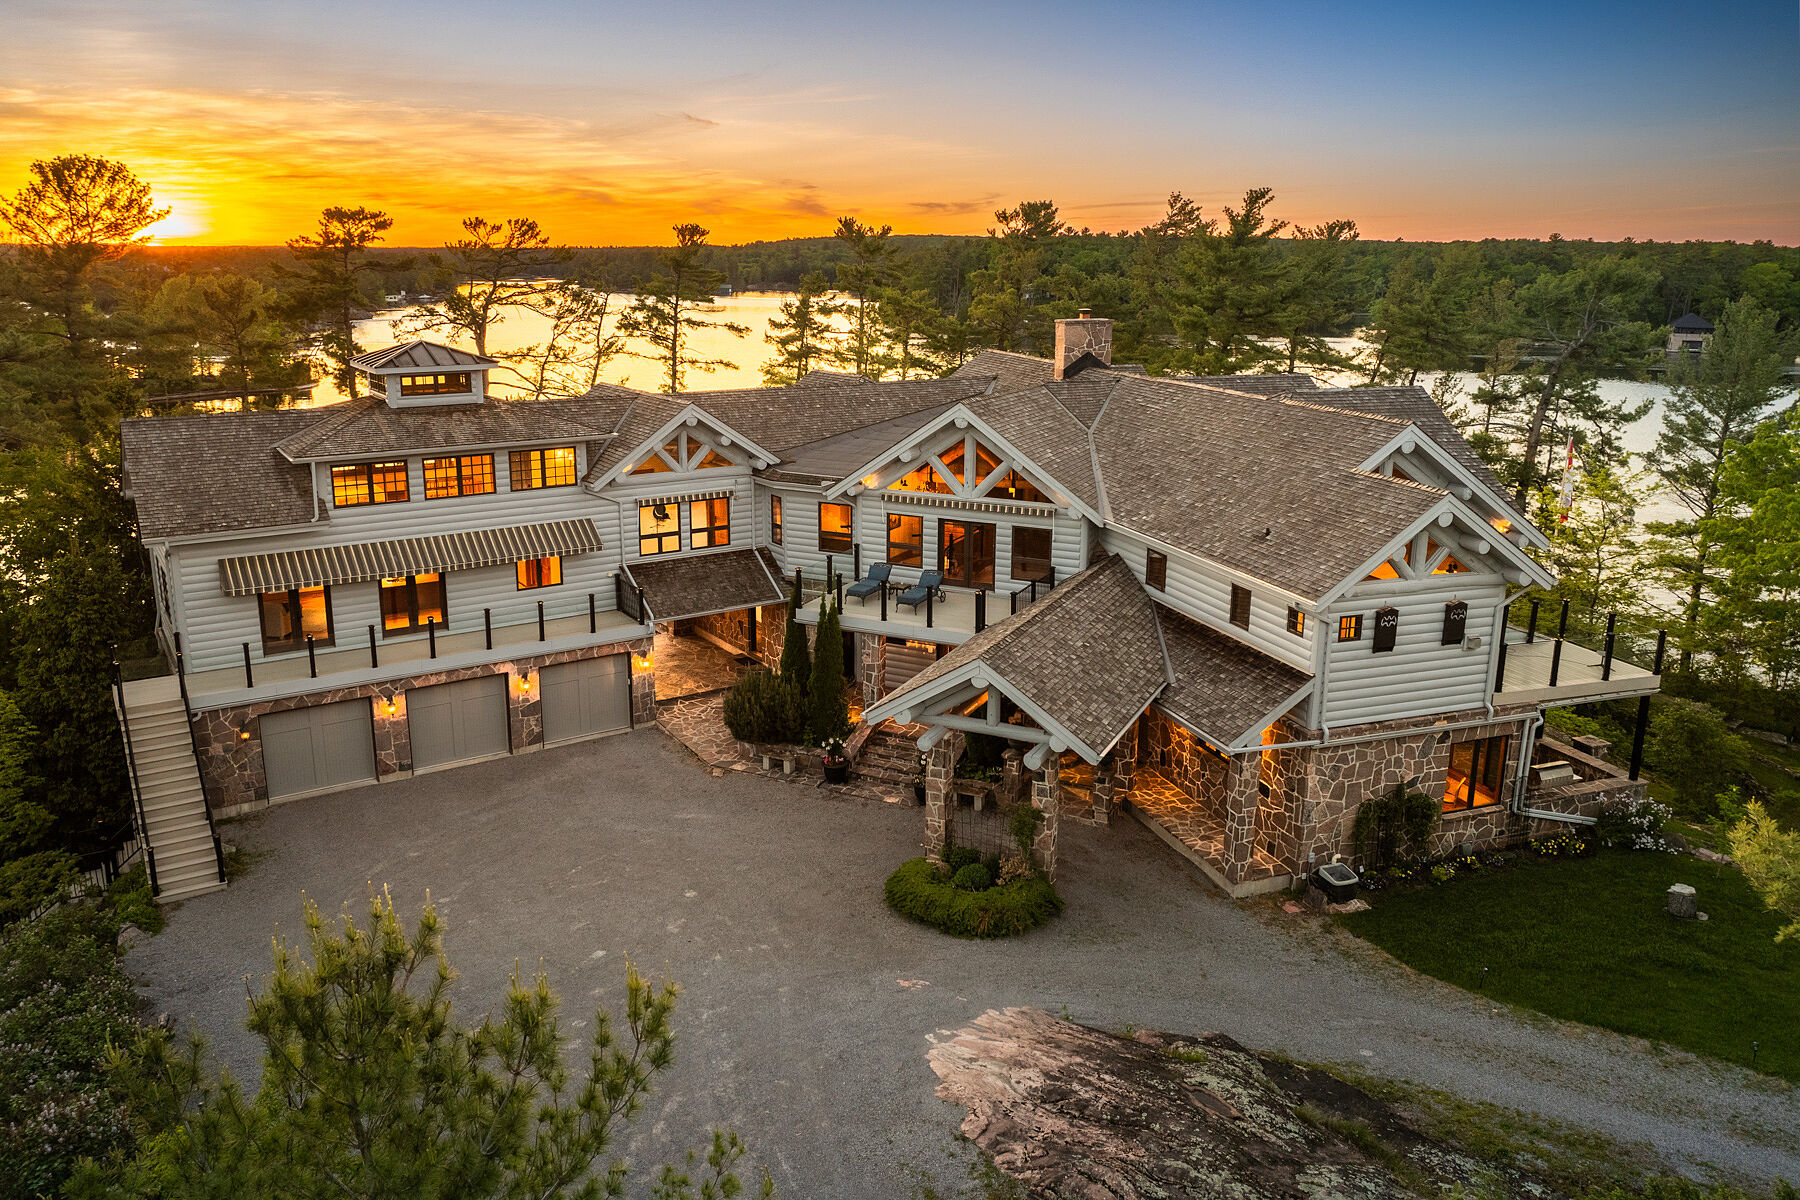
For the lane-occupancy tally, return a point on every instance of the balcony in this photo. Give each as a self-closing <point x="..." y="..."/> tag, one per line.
<point x="354" y="660"/>
<point x="1553" y="669"/>
<point x="951" y="617"/>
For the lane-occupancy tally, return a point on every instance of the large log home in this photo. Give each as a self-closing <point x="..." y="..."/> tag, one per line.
<point x="1244" y="604"/>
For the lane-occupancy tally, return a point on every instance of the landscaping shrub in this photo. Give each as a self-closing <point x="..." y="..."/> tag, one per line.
<point x="1026" y="818"/>
<point x="1693" y="752"/>
<point x="958" y="857"/>
<point x="1635" y="824"/>
<point x="828" y="713"/>
<point x="1395" y="826"/>
<point x="29" y="883"/>
<point x="920" y="890"/>
<point x="972" y="878"/>
<point x="761" y="708"/>
<point x="796" y="660"/>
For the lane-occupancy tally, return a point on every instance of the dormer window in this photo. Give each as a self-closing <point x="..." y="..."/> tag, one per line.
<point x="445" y="384"/>
<point x="368" y="483"/>
<point x="543" y="468"/>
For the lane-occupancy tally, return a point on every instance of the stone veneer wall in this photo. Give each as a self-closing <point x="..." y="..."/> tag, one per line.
<point x="1181" y="758"/>
<point x="871" y="667"/>
<point x="231" y="763"/>
<point x="733" y="630"/>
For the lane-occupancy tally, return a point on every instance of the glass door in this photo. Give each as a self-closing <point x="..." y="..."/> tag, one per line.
<point x="966" y="553"/>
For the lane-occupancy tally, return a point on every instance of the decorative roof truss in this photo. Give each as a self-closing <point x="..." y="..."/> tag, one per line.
<point x="965" y="467"/>
<point x="684" y="450"/>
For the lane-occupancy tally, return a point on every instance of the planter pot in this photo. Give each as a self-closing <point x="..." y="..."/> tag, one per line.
<point x="837" y="770"/>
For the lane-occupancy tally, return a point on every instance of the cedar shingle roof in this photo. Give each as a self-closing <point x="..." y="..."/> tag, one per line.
<point x="781" y="419"/>
<point x="702" y="584"/>
<point x="1260" y="384"/>
<point x="1692" y="323"/>
<point x="359" y="428"/>
<point x="1222" y="688"/>
<point x="420" y="354"/>
<point x="831" y="459"/>
<point x="215" y="472"/>
<point x="1089" y="655"/>
<point x="1414" y="404"/>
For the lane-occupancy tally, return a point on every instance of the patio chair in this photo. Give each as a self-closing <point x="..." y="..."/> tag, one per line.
<point x="930" y="583"/>
<point x="871" y="583"/>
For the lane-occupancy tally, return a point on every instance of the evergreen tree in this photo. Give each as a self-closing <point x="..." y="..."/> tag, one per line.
<point x="914" y="329"/>
<point x="1596" y="548"/>
<point x="803" y="335"/>
<point x="676" y="302"/>
<point x="331" y="284"/>
<point x="864" y="276"/>
<point x="1146" y="327"/>
<point x="1755" y="530"/>
<point x="829" y="713"/>
<point x="1715" y="401"/>
<point x="371" y="1088"/>
<point x="1230" y="285"/>
<point x="1321" y="296"/>
<point x="1008" y="295"/>
<point x="578" y="347"/>
<point x="796" y="660"/>
<point x="496" y="266"/>
<point x="1421" y="321"/>
<point x="237" y="323"/>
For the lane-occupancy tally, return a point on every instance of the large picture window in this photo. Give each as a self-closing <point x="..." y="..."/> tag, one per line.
<point x="1030" y="552"/>
<point x="1477" y="774"/>
<point x="290" y="617"/>
<point x="412" y="602"/>
<point x="659" y="529"/>
<point x="468" y="475"/>
<point x="368" y="483"/>
<point x="905" y="540"/>
<point x="543" y="468"/>
<point x="834" y="528"/>
<point x="709" y="522"/>
<point x="539" y="572"/>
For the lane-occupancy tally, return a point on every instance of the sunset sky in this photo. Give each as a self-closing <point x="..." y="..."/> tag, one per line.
<point x="608" y="122"/>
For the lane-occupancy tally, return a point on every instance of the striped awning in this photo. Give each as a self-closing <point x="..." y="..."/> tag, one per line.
<point x="363" y="561"/>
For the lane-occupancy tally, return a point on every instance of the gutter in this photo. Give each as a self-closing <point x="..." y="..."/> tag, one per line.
<point x="1518" y="805"/>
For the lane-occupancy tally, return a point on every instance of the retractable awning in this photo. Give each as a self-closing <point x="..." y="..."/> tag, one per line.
<point x="362" y="561"/>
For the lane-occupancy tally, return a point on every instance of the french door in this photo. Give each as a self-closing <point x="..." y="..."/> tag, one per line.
<point x="966" y="553"/>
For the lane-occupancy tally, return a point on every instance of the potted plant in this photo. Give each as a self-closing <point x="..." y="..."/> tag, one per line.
<point x="918" y="780"/>
<point x="835" y="762"/>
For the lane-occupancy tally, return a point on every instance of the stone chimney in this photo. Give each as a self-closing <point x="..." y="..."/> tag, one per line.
<point x="1083" y="337"/>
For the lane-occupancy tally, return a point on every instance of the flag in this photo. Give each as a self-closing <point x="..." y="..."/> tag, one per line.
<point x="1565" y="499"/>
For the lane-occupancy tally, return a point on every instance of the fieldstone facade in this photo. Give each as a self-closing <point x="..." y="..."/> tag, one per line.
<point x="871" y="667"/>
<point x="230" y="745"/>
<point x="733" y="631"/>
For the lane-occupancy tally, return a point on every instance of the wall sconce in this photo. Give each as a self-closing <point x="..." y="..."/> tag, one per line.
<point x="641" y="662"/>
<point x="525" y="683"/>
<point x="392" y="708"/>
<point x="243" y="735"/>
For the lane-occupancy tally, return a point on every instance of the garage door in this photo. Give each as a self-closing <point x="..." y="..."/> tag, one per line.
<point x="455" y="722"/>
<point x="327" y="745"/>
<point x="586" y="697"/>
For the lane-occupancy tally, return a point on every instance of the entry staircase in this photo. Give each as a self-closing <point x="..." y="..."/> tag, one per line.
<point x="891" y="755"/>
<point x="176" y="826"/>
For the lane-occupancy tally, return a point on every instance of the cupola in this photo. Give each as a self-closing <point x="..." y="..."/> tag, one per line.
<point x="420" y="374"/>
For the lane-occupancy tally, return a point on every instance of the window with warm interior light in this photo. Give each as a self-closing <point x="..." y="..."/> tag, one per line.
<point x="1477" y="774"/>
<point x="550" y="468"/>
<point x="466" y="475"/>
<point x="922" y="478"/>
<point x="540" y="572"/>
<point x="656" y="464"/>
<point x="434" y="385"/>
<point x="775" y="519"/>
<point x="1240" y="606"/>
<point x="1350" y="628"/>
<point x="368" y="483"/>
<point x="290" y="617"/>
<point x="905" y="540"/>
<point x="1156" y="569"/>
<point x="709" y="522"/>
<point x="834" y="527"/>
<point x="1296" y="622"/>
<point x="411" y="602"/>
<point x="1015" y="486"/>
<point x="659" y="529"/>
<point x="1030" y="552"/>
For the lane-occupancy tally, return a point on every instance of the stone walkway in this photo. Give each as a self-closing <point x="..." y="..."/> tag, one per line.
<point x="692" y="666"/>
<point x="1200" y="829"/>
<point x="698" y="724"/>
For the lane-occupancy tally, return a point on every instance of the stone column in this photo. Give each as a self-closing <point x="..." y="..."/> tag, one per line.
<point x="643" y="683"/>
<point x="940" y="769"/>
<point x="1044" y="787"/>
<point x="393" y="736"/>
<point x="1012" y="775"/>
<point x="1240" y="815"/>
<point x="527" y="708"/>
<point x="871" y="666"/>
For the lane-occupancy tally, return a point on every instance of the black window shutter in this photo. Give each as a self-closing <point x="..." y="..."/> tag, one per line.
<point x="1387" y="624"/>
<point x="1240" y="606"/>
<point x="1456" y="622"/>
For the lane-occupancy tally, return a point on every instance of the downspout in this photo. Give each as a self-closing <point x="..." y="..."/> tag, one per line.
<point x="1518" y="806"/>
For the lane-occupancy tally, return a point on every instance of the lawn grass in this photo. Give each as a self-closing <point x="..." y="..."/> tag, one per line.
<point x="1588" y="940"/>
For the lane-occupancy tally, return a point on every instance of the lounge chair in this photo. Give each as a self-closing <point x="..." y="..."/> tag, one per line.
<point x="871" y="583"/>
<point x="930" y="582"/>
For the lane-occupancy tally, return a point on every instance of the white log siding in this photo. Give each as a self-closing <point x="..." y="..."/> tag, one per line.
<point x="1419" y="676"/>
<point x="214" y="626"/>
<point x="1202" y="590"/>
<point x="620" y="502"/>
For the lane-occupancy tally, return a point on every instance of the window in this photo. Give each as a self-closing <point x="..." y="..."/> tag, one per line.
<point x="411" y="602"/>
<point x="540" y="572"/>
<point x="1156" y="570"/>
<point x="921" y="479"/>
<point x="659" y="529"/>
<point x="834" y="527"/>
<point x="713" y="459"/>
<point x="470" y="475"/>
<point x="966" y="553"/>
<point x="1030" y="553"/>
<point x="775" y="519"/>
<point x="1296" y="622"/>
<point x="654" y="465"/>
<point x="434" y="385"/>
<point x="709" y="522"/>
<point x="1240" y="606"/>
<point x="368" y="483"/>
<point x="290" y="617"/>
<point x="1350" y="628"/>
<point x="1477" y="771"/>
<point x="543" y="468"/>
<point x="1015" y="486"/>
<point x="905" y="540"/>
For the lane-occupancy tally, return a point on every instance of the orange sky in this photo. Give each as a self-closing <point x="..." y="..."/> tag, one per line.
<point x="609" y="125"/>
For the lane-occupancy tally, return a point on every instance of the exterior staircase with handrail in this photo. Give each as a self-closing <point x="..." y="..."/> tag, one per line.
<point x="183" y="849"/>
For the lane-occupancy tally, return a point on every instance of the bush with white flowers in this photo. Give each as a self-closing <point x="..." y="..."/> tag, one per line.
<point x="1633" y="824"/>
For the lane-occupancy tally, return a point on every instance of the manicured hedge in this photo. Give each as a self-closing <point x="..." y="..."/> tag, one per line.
<point x="920" y="891"/>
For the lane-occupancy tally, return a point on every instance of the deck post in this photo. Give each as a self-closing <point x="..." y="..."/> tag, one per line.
<point x="593" y="621"/>
<point x="750" y="632"/>
<point x="312" y="658"/>
<point x="1531" y="628"/>
<point x="828" y="570"/>
<point x="249" y="679"/>
<point x="884" y="602"/>
<point x="980" y="611"/>
<point x="1013" y="600"/>
<point x="1606" y="657"/>
<point x="1643" y="712"/>
<point x="856" y="560"/>
<point x="928" y="596"/>
<point x="1562" y="629"/>
<point x="799" y="595"/>
<point x="838" y="581"/>
<point x="640" y="604"/>
<point x="1500" y="665"/>
<point x="540" y="620"/>
<point x="431" y="635"/>
<point x="374" y="655"/>
<point x="487" y="627"/>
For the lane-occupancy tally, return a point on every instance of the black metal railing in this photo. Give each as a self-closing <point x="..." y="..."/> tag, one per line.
<point x="137" y="791"/>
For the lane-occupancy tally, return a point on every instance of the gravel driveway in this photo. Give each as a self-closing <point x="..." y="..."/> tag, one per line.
<point x="808" y="1006"/>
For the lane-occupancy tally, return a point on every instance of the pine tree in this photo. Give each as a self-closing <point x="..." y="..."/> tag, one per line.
<point x="1008" y="295"/>
<point x="1229" y="287"/>
<point x="864" y="276"/>
<point x="796" y="660"/>
<point x="1321" y="296"/>
<point x="1755" y="616"/>
<point x="803" y="335"/>
<point x="496" y="266"/>
<point x="331" y="282"/>
<point x="829" y="713"/>
<point x="676" y="302"/>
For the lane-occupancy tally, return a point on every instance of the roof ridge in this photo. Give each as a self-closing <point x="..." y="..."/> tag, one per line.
<point x="1332" y="408"/>
<point x="1411" y="483"/>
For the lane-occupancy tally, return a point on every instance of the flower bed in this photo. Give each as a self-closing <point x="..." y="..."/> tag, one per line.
<point x="926" y="892"/>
